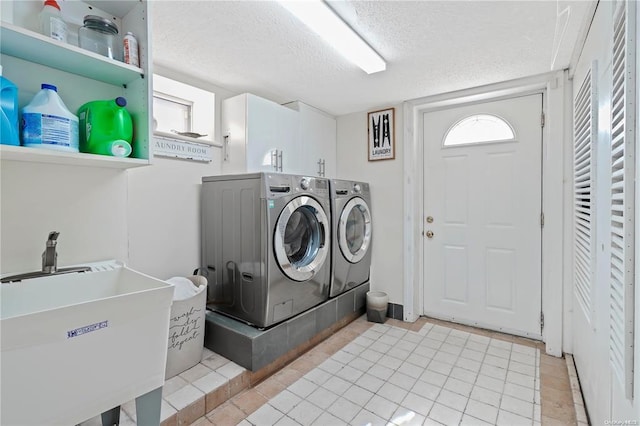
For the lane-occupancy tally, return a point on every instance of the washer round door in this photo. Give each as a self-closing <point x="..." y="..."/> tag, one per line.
<point x="301" y="238"/>
<point x="354" y="230"/>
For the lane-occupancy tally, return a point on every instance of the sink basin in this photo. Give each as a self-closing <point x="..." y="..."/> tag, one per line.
<point x="76" y="345"/>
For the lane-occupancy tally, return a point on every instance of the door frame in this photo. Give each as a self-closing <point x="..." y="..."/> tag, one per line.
<point x="524" y="152"/>
<point x="556" y="91"/>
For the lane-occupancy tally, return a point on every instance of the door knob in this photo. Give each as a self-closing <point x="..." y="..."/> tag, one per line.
<point x="429" y="234"/>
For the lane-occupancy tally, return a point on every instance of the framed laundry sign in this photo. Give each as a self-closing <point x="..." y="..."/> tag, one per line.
<point x="381" y="134"/>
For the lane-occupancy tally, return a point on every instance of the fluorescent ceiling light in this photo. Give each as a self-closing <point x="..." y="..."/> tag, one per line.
<point x="318" y="16"/>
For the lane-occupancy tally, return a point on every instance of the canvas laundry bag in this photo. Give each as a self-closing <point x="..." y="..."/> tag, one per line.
<point x="186" y="324"/>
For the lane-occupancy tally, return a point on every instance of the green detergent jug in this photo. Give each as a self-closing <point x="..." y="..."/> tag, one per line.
<point x="106" y="128"/>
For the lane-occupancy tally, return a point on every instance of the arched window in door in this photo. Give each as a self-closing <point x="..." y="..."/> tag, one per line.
<point x="479" y="128"/>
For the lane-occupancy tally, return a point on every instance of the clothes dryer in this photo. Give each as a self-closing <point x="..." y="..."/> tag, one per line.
<point x="266" y="245"/>
<point x="352" y="235"/>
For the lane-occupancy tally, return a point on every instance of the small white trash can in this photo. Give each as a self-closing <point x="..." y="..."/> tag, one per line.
<point x="377" y="302"/>
<point x="186" y="324"/>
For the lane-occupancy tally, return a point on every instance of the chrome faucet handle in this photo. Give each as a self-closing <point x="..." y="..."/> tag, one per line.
<point x="53" y="236"/>
<point x="50" y="256"/>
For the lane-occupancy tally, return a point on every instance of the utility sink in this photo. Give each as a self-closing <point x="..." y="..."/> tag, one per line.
<point x="79" y="344"/>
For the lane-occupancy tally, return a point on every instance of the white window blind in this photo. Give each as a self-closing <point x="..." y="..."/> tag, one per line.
<point x="584" y="136"/>
<point x="622" y="197"/>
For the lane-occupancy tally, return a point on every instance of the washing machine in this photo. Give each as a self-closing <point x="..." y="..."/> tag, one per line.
<point x="352" y="233"/>
<point x="266" y="245"/>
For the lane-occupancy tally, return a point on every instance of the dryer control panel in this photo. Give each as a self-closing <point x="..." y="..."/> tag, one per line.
<point x="343" y="188"/>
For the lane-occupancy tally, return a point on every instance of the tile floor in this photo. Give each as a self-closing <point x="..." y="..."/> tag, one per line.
<point x="189" y="395"/>
<point x="428" y="372"/>
<point x="437" y="375"/>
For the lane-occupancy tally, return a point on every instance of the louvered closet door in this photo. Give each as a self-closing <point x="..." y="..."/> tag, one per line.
<point x="623" y="163"/>
<point x="605" y="116"/>
<point x="586" y="292"/>
<point x="585" y="120"/>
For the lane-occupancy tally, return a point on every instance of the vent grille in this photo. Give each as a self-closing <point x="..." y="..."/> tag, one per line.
<point x="622" y="197"/>
<point x="583" y="190"/>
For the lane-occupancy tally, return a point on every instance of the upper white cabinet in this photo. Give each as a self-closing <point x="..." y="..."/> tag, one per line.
<point x="259" y="135"/>
<point x="29" y="59"/>
<point x="317" y="139"/>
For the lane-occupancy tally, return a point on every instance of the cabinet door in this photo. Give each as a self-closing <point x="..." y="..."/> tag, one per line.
<point x="262" y="134"/>
<point x="288" y="140"/>
<point x="234" y="130"/>
<point x="272" y="131"/>
<point x="317" y="140"/>
<point x="326" y="144"/>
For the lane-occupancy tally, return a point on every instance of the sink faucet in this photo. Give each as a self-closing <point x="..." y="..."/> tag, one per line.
<point x="49" y="264"/>
<point x="49" y="256"/>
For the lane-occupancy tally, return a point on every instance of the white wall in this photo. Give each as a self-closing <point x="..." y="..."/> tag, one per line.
<point x="385" y="178"/>
<point x="87" y="206"/>
<point x="164" y="216"/>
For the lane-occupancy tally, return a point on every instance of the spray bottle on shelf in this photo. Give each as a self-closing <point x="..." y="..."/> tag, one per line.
<point x="131" y="50"/>
<point x="51" y="22"/>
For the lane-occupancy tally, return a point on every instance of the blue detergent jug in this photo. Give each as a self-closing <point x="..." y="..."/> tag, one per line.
<point x="9" y="106"/>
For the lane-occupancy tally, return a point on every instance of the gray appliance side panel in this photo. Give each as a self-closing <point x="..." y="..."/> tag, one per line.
<point x="232" y="248"/>
<point x="211" y="214"/>
<point x="250" y="269"/>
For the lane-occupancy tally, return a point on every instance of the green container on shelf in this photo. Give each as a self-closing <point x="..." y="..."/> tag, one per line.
<point x="106" y="128"/>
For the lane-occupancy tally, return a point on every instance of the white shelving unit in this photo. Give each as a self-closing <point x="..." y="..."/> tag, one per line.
<point x="34" y="47"/>
<point x="35" y="155"/>
<point x="29" y="59"/>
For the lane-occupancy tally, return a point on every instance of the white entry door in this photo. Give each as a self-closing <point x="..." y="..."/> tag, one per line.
<point x="482" y="214"/>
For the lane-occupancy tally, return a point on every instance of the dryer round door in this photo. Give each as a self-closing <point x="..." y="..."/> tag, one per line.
<point x="354" y="230"/>
<point x="301" y="238"/>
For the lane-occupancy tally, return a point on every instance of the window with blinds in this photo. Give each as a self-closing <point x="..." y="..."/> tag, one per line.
<point x="584" y="135"/>
<point x="622" y="197"/>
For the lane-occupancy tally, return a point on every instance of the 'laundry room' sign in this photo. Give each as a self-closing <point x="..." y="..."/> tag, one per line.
<point x="186" y="150"/>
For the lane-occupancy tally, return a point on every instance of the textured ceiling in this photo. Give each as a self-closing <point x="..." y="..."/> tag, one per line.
<point x="431" y="47"/>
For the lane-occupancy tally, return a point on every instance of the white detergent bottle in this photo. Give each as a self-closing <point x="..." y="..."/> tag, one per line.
<point x="47" y="123"/>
